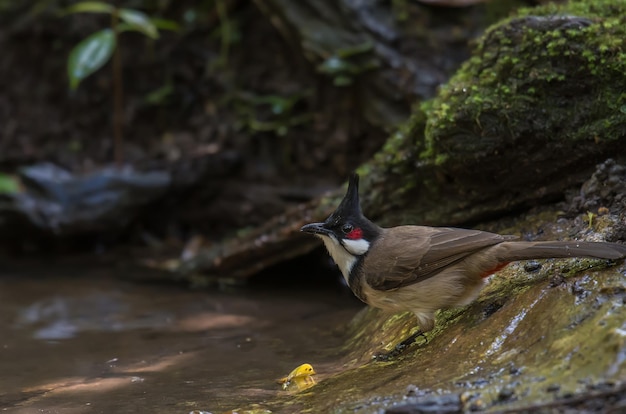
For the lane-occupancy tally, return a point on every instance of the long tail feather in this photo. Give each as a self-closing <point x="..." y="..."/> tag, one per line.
<point x="510" y="251"/>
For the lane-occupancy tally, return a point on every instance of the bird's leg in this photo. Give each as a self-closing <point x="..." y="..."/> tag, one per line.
<point x="399" y="348"/>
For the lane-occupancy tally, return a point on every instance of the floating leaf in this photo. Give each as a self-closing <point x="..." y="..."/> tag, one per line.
<point x="90" y="55"/>
<point x="300" y="378"/>
<point x="139" y="21"/>
<point x="301" y="383"/>
<point x="90" y="7"/>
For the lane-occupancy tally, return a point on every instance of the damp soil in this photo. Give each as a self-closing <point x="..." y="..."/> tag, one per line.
<point x="82" y="340"/>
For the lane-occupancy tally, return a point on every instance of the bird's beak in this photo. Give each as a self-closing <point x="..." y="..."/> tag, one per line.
<point x="315" y="228"/>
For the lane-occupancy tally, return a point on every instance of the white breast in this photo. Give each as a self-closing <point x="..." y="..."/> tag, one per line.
<point x="344" y="260"/>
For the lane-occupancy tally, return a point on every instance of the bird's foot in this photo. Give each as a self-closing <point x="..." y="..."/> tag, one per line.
<point x="399" y="349"/>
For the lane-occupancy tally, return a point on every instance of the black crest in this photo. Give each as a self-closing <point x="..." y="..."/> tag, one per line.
<point x="350" y="205"/>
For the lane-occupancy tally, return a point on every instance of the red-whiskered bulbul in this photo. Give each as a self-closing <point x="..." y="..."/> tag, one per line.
<point x="423" y="269"/>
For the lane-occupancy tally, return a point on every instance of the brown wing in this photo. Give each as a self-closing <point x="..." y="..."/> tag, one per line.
<point x="421" y="252"/>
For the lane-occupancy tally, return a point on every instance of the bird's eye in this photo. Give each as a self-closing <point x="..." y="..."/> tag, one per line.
<point x="346" y="228"/>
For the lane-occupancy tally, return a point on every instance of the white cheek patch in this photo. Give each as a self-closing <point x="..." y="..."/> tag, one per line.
<point x="344" y="260"/>
<point x="356" y="247"/>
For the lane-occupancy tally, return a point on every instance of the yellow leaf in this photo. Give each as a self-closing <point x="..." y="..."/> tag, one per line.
<point x="299" y="378"/>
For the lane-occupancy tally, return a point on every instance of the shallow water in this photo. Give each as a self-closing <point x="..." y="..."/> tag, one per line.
<point x="91" y="343"/>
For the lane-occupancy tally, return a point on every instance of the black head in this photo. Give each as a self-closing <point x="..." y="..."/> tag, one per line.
<point x="347" y="225"/>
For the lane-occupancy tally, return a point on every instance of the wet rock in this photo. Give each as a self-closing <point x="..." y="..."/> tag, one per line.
<point x="532" y="266"/>
<point x="492" y="308"/>
<point x="444" y="404"/>
<point x="56" y="202"/>
<point x="506" y="394"/>
<point x="556" y="280"/>
<point x="605" y="189"/>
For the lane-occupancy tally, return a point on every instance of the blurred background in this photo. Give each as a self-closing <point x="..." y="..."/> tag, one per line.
<point x="148" y="123"/>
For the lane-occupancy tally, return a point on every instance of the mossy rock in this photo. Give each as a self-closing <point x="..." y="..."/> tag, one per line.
<point x="539" y="103"/>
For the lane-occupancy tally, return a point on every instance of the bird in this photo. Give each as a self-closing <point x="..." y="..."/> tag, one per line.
<point x="423" y="269"/>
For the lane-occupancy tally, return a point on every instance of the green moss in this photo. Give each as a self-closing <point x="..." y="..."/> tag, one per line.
<point x="543" y="58"/>
<point x="498" y="10"/>
<point x="404" y="143"/>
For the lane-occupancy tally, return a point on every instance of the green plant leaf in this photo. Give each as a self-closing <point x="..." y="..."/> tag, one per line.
<point x="90" y="55"/>
<point x="90" y="7"/>
<point x="160" y="95"/>
<point x="165" y="24"/>
<point x="8" y="184"/>
<point x="139" y="21"/>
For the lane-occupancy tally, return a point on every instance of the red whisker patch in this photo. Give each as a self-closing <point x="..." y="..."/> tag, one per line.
<point x="494" y="270"/>
<point x="355" y="234"/>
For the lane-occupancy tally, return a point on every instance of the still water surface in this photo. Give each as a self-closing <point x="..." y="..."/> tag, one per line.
<point x="84" y="341"/>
